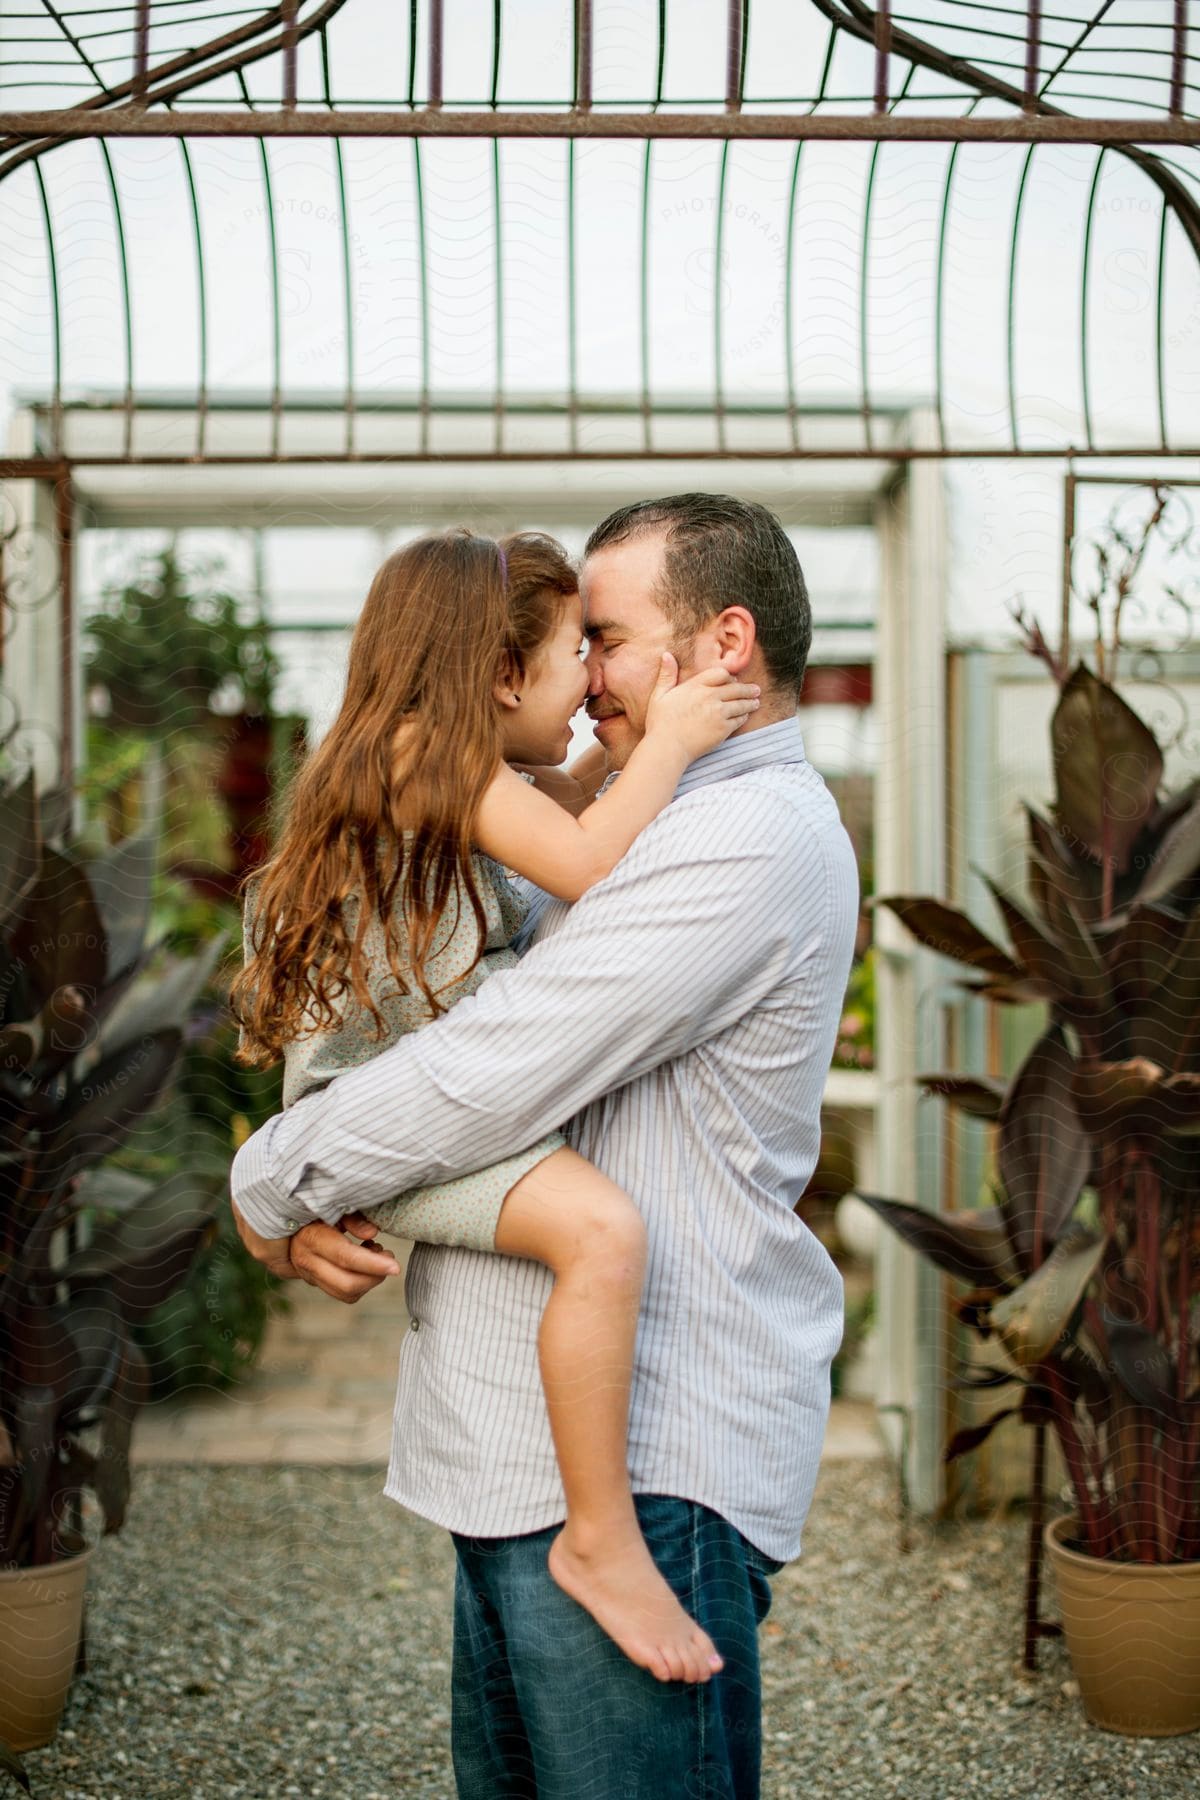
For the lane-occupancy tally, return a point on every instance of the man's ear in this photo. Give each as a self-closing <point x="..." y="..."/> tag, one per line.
<point x="507" y="687"/>
<point x="735" y="636"/>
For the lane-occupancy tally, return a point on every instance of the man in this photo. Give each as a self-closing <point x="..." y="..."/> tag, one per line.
<point x="681" y="1017"/>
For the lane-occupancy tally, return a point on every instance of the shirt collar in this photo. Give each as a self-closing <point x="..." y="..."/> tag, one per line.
<point x="761" y="749"/>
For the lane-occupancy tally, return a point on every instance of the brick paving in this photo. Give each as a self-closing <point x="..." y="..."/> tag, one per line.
<point x="323" y="1393"/>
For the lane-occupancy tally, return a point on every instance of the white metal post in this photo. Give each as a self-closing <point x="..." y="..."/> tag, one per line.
<point x="42" y="690"/>
<point x="910" y="859"/>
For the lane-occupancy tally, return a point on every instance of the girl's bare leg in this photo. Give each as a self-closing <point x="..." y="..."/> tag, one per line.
<point x="567" y="1215"/>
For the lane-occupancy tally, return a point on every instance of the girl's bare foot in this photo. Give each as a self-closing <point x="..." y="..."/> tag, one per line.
<point x="614" y="1577"/>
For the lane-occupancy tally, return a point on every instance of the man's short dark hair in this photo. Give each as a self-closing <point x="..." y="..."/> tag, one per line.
<point x="724" y="552"/>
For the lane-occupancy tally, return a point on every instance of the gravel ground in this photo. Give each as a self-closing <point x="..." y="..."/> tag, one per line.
<point x="265" y="1632"/>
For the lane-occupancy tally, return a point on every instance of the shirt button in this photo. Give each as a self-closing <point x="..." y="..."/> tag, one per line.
<point x="415" y="1325"/>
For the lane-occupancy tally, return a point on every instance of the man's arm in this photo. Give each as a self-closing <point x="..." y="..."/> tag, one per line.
<point x="688" y="933"/>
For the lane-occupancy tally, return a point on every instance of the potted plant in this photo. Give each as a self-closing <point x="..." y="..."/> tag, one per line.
<point x="91" y="1024"/>
<point x="1084" y="1277"/>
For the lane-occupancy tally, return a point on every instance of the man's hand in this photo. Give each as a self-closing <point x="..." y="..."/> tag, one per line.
<point x="324" y="1255"/>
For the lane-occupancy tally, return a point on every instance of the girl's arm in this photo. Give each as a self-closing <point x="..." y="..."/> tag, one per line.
<point x="526" y="831"/>
<point x="575" y="787"/>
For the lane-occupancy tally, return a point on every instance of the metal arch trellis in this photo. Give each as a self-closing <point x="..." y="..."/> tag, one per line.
<point x="954" y="72"/>
<point x="1003" y="73"/>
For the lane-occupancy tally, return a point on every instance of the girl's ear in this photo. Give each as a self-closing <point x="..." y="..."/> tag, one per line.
<point x="506" y="689"/>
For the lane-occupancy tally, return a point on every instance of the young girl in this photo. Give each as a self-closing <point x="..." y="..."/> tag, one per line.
<point x="387" y="902"/>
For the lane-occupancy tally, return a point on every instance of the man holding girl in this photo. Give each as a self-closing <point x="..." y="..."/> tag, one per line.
<point x="676" y="1023"/>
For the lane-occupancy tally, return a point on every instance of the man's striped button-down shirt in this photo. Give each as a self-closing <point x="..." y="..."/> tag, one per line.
<point x="680" y="1019"/>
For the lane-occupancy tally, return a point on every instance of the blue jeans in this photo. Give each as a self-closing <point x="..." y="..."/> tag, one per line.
<point x="545" y="1707"/>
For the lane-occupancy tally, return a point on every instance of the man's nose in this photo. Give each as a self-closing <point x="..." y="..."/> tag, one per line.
<point x="595" y="674"/>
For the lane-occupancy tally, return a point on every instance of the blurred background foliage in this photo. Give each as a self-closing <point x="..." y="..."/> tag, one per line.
<point x="179" y="675"/>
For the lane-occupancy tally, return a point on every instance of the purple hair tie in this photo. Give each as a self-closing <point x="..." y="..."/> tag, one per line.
<point x="503" y="564"/>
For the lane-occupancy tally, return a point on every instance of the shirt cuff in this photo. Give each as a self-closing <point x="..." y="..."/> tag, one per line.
<point x="267" y="1203"/>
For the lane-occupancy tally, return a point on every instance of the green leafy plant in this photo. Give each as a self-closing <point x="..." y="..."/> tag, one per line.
<point x="855" y="1046"/>
<point x="171" y="647"/>
<point x="209" y="1332"/>
<point x="92" y="1022"/>
<point x="1085" y="1274"/>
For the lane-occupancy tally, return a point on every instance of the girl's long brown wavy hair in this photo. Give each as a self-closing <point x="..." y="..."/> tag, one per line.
<point x="413" y="747"/>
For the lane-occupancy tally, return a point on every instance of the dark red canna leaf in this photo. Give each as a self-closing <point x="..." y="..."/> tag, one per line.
<point x="972" y="1246"/>
<point x="1034" y="1319"/>
<point x="1074" y="876"/>
<point x="951" y="933"/>
<point x="111" y="1480"/>
<point x="57" y="936"/>
<point x="979" y="1095"/>
<point x="122" y="881"/>
<point x="1166" y="1027"/>
<point x="20" y="845"/>
<point x="102" y="1109"/>
<point x="1176" y="857"/>
<point x="1139" y="955"/>
<point x="1043" y="1155"/>
<point x="1011" y="993"/>
<point x="970" y="1438"/>
<point x="978" y="1379"/>
<point x="1108" y="769"/>
<point x="1143" y="1366"/>
<point x="1037" y="954"/>
<point x="1177" y="1105"/>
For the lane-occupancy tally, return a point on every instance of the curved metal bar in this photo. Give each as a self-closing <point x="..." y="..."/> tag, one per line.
<point x="499" y="266"/>
<point x="56" y="334"/>
<point x="1013" y="245"/>
<point x="863" y="363"/>
<point x="202" y="302"/>
<point x="572" y="308"/>
<point x="347" y="272"/>
<point x="1159" y="361"/>
<point x="77" y="46"/>
<point x="1083" y="302"/>
<point x="745" y="49"/>
<point x="857" y="18"/>
<point x="126" y="301"/>
<point x="644" y="318"/>
<point x="1088" y="27"/>
<point x="789" y="299"/>
<point x="187" y="67"/>
<point x="422" y="262"/>
<point x="497" y="27"/>
<point x="276" y="311"/>
<point x="939" y="302"/>
<point x="789" y="285"/>
<point x="718" y="308"/>
<point x="864" y="267"/>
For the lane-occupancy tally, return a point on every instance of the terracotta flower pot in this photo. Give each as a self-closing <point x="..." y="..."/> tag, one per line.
<point x="41" y="1612"/>
<point x="1133" y="1634"/>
